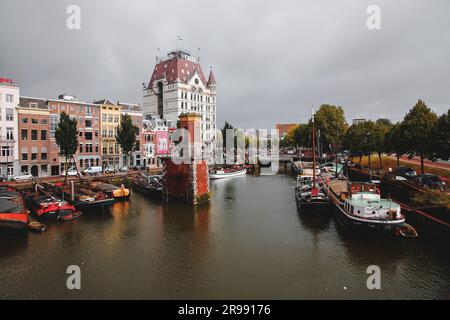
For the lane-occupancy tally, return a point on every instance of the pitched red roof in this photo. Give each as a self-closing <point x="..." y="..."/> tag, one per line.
<point x="176" y="68"/>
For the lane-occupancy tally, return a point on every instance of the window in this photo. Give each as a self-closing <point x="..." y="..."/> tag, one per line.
<point x="116" y="118"/>
<point x="89" y="148"/>
<point x="24" y="156"/>
<point x="9" y="97"/>
<point x="43" y="156"/>
<point x="9" y="114"/>
<point x="34" y="121"/>
<point x="34" y="134"/>
<point x="104" y="133"/>
<point x="96" y="148"/>
<point x="10" y="170"/>
<point x="88" y="135"/>
<point x="110" y="118"/>
<point x="80" y="133"/>
<point x="44" y="169"/>
<point x="24" y="134"/>
<point x="24" y="120"/>
<point x="88" y="123"/>
<point x="81" y="148"/>
<point x="103" y="117"/>
<point x="104" y="150"/>
<point x="54" y="119"/>
<point x="6" y="151"/>
<point x="88" y="110"/>
<point x="9" y="134"/>
<point x="111" y="150"/>
<point x="43" y="134"/>
<point x="34" y="156"/>
<point x="44" y="121"/>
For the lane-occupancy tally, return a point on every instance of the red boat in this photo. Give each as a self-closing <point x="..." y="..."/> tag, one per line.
<point x="13" y="211"/>
<point x="47" y="206"/>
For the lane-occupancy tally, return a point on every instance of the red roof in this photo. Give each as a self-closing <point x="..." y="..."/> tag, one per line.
<point x="176" y="68"/>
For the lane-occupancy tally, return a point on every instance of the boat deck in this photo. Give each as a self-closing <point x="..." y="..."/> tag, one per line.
<point x="338" y="186"/>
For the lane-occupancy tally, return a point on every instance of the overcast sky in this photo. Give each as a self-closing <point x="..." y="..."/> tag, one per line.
<point x="272" y="59"/>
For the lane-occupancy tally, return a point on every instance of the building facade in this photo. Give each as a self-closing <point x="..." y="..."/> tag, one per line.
<point x="9" y="155"/>
<point x="177" y="86"/>
<point x="135" y="112"/>
<point x="109" y="123"/>
<point x="33" y="136"/>
<point x="88" y="122"/>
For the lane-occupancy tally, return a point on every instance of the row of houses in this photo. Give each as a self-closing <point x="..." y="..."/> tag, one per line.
<point x="28" y="125"/>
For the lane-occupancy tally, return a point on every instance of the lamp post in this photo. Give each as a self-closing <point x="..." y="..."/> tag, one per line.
<point x="369" y="149"/>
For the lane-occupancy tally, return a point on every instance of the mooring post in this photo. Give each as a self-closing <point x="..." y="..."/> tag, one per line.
<point x="72" y="191"/>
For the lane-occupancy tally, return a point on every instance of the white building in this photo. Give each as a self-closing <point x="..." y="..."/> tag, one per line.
<point x="177" y="86"/>
<point x="9" y="144"/>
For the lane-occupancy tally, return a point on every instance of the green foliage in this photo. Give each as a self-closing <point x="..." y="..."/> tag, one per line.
<point x="364" y="137"/>
<point x="395" y="140"/>
<point x="418" y="127"/>
<point x="126" y="134"/>
<point x="66" y="136"/>
<point x="441" y="137"/>
<point x="330" y="120"/>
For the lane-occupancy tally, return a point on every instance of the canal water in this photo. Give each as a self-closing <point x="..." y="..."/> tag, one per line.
<point x="248" y="243"/>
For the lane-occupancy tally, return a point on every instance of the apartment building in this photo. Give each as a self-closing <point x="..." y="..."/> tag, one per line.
<point x="33" y="136"/>
<point x="109" y="123"/>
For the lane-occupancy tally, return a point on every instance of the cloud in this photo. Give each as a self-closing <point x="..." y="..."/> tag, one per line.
<point x="272" y="60"/>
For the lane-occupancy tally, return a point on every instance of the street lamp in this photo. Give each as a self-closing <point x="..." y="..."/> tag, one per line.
<point x="369" y="149"/>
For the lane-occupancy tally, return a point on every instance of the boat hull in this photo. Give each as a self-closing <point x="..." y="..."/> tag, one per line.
<point x="224" y="175"/>
<point x="151" y="192"/>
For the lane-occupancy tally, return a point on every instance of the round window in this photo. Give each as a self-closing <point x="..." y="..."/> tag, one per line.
<point x="196" y="81"/>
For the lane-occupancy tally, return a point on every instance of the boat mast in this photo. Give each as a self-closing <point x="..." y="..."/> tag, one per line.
<point x="313" y="150"/>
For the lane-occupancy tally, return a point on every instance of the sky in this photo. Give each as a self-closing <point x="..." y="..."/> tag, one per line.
<point x="272" y="60"/>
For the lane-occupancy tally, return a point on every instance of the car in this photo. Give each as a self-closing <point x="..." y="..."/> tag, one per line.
<point x="72" y="172"/>
<point x="124" y="169"/>
<point x="2" y="178"/>
<point x="93" y="171"/>
<point x="430" y="181"/>
<point x="405" y="172"/>
<point x="110" y="170"/>
<point x="23" y="176"/>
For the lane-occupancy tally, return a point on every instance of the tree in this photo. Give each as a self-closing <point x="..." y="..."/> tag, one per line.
<point x="126" y="136"/>
<point x="66" y="136"/>
<point x="330" y="120"/>
<point x="395" y="141"/>
<point x="441" y="138"/>
<point x="289" y="139"/>
<point x="365" y="138"/>
<point x="418" y="127"/>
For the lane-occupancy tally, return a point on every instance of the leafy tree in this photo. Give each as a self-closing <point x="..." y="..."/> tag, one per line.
<point x="66" y="136"/>
<point x="395" y="141"/>
<point x="441" y="137"/>
<point x="126" y="135"/>
<point x="418" y="126"/>
<point x="365" y="138"/>
<point x="330" y="120"/>
<point x="289" y="139"/>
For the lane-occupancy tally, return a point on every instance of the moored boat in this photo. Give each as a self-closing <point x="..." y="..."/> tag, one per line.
<point x="361" y="208"/>
<point x="83" y="198"/>
<point x="45" y="205"/>
<point x="227" y="172"/>
<point x="116" y="192"/>
<point x="148" y="185"/>
<point x="13" y="212"/>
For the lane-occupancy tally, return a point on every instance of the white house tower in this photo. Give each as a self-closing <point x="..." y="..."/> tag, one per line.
<point x="177" y="86"/>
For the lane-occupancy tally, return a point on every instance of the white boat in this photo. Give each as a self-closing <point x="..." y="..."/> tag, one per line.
<point x="227" y="173"/>
<point x="361" y="207"/>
